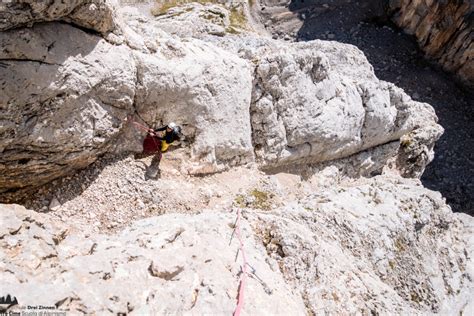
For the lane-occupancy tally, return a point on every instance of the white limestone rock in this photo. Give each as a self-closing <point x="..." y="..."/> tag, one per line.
<point x="167" y="264"/>
<point x="319" y="101"/>
<point x="387" y="246"/>
<point x="64" y="94"/>
<point x="383" y="245"/>
<point x="97" y="15"/>
<point x="206" y="90"/>
<point x="194" y="20"/>
<point x="67" y="93"/>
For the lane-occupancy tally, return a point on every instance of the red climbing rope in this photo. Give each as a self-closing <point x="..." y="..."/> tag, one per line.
<point x="141" y="126"/>
<point x="152" y="142"/>
<point x="243" y="277"/>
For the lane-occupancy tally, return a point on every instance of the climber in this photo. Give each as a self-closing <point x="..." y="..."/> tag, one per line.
<point x="172" y="132"/>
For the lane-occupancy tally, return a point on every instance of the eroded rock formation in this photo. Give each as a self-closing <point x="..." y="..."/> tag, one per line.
<point x="65" y="99"/>
<point x="321" y="101"/>
<point x="96" y="15"/>
<point x="384" y="246"/>
<point x="66" y="94"/>
<point x="373" y="245"/>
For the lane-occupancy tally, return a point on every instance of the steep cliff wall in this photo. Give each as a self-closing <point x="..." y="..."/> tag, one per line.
<point x="443" y="29"/>
<point x="66" y="94"/>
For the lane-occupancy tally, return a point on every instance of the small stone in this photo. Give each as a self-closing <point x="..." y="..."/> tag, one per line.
<point x="54" y="205"/>
<point x="11" y="241"/>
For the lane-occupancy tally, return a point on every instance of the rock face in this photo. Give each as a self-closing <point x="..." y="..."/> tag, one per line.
<point x="321" y="101"/>
<point x="355" y="252"/>
<point x="203" y="88"/>
<point x="329" y="245"/>
<point x="66" y="94"/>
<point x="386" y="245"/>
<point x="194" y="19"/>
<point x="64" y="99"/>
<point x="443" y="29"/>
<point x="172" y="264"/>
<point x="96" y="15"/>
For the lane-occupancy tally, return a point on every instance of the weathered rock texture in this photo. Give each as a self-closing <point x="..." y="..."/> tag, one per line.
<point x="163" y="265"/>
<point x="385" y="245"/>
<point x="66" y="94"/>
<point x="443" y="29"/>
<point x="96" y="15"/>
<point x="204" y="88"/>
<point x="321" y="101"/>
<point x="194" y="19"/>
<point x="367" y="246"/>
<point x="382" y="247"/>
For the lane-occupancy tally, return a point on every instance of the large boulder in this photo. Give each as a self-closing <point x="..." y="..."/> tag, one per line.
<point x="64" y="94"/>
<point x="320" y="101"/>
<point x="203" y="88"/>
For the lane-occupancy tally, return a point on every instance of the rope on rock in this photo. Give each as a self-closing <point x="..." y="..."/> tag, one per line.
<point x="149" y="131"/>
<point x="141" y="126"/>
<point x="243" y="276"/>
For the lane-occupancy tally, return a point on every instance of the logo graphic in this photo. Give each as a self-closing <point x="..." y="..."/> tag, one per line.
<point x="6" y="302"/>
